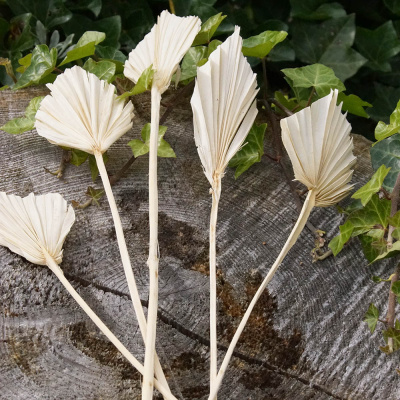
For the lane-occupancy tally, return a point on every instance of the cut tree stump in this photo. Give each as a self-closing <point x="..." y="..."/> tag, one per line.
<point x="305" y="340"/>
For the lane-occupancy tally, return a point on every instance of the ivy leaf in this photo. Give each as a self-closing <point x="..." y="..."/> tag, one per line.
<point x="378" y="46"/>
<point x="141" y="147"/>
<point x="387" y="152"/>
<point x="144" y="83"/>
<point x="50" y="12"/>
<point x="104" y="70"/>
<point x="322" y="78"/>
<point x="191" y="61"/>
<point x="386" y="98"/>
<point x="95" y="194"/>
<point x="371" y="317"/>
<point x="259" y="46"/>
<point x="42" y="64"/>
<point x="373" y="186"/>
<point x="386" y="252"/>
<point x="314" y="10"/>
<point x="85" y="47"/>
<point x="78" y="157"/>
<point x="383" y="131"/>
<point x="353" y="104"/>
<point x="375" y="212"/>
<point x="208" y="29"/>
<point x="371" y="247"/>
<point x="328" y="43"/>
<point x="251" y="152"/>
<point x="27" y="123"/>
<point x="92" y="5"/>
<point x="337" y="243"/>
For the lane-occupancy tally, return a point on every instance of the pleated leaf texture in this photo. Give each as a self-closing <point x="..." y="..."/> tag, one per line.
<point x="83" y="112"/>
<point x="320" y="148"/>
<point x="223" y="105"/>
<point x="164" y="47"/>
<point x="32" y="224"/>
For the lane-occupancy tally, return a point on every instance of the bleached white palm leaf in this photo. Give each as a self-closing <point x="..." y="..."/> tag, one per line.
<point x="164" y="47"/>
<point x="319" y="145"/>
<point x="33" y="225"/>
<point x="83" y="112"/>
<point x="223" y="105"/>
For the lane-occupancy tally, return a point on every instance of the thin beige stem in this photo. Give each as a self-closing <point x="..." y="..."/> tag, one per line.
<point x="127" y="263"/>
<point x="216" y="192"/>
<point x="147" y="389"/>
<point x="305" y="213"/>
<point x="55" y="268"/>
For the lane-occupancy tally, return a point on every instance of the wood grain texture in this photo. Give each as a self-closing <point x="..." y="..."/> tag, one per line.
<point x="306" y="339"/>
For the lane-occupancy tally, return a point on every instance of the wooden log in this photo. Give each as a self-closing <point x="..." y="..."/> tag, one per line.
<point x="305" y="340"/>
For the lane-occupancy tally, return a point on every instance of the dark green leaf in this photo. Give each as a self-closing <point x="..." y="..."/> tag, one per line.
<point x="191" y="61"/>
<point x="393" y="6"/>
<point x="337" y="243"/>
<point x="78" y="157"/>
<point x="259" y="46"/>
<point x="378" y="46"/>
<point x="50" y="12"/>
<point x="396" y="288"/>
<point x="110" y="53"/>
<point x="23" y="124"/>
<point x="282" y="52"/>
<point x="23" y="38"/>
<point x="387" y="152"/>
<point x="319" y="76"/>
<point x="376" y="212"/>
<point x="371" y="247"/>
<point x="353" y="104"/>
<point x="141" y="147"/>
<point x="208" y="29"/>
<point x="111" y="26"/>
<point x="371" y="317"/>
<point x="104" y="70"/>
<point x="373" y="186"/>
<point x="385" y="252"/>
<point x="316" y="9"/>
<point x="92" y="5"/>
<point x="386" y="98"/>
<point x="42" y="63"/>
<point x="251" y="152"/>
<point x="328" y="43"/>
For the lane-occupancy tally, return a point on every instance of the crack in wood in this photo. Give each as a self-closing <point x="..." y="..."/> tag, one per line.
<point x="166" y="319"/>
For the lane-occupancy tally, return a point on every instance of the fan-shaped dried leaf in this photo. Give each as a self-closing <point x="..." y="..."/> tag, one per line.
<point x="164" y="47"/>
<point x="223" y="105"/>
<point x="83" y="112"/>
<point x="319" y="145"/>
<point x="34" y="224"/>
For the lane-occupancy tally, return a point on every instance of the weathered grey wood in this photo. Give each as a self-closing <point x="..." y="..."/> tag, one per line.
<point x="307" y="330"/>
